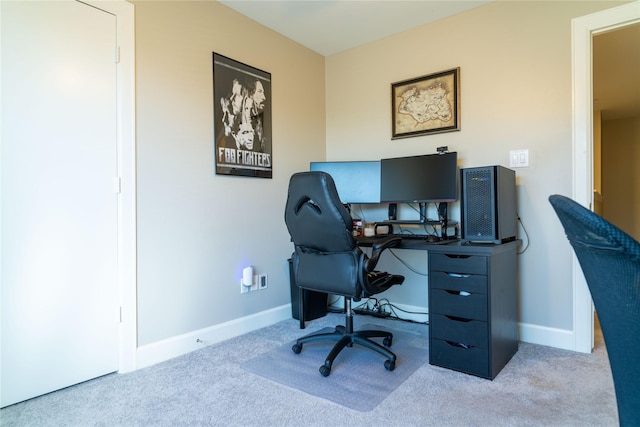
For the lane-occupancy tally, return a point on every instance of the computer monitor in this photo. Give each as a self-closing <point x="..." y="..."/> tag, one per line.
<point x="427" y="178"/>
<point x="356" y="182"/>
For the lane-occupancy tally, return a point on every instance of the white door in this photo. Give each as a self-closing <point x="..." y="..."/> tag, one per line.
<point x="59" y="203"/>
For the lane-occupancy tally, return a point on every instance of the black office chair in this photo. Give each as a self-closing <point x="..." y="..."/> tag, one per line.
<point x="610" y="261"/>
<point x="327" y="259"/>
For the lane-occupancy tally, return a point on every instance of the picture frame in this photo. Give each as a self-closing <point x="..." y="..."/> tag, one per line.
<point x="426" y="105"/>
<point x="241" y="119"/>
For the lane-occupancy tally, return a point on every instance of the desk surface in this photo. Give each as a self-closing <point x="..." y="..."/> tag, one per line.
<point x="406" y="239"/>
<point x="442" y="246"/>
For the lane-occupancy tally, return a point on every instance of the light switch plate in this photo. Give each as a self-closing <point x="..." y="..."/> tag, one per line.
<point x="519" y="158"/>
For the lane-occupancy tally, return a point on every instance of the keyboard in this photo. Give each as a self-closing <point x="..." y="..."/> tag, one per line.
<point x="423" y="238"/>
<point x="409" y="237"/>
<point x="413" y="236"/>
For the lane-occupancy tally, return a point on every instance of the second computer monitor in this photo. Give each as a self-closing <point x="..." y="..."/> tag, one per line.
<point x="356" y="182"/>
<point x="427" y="178"/>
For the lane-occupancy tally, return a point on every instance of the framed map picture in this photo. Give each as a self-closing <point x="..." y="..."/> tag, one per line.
<point x="241" y="118"/>
<point x="426" y="105"/>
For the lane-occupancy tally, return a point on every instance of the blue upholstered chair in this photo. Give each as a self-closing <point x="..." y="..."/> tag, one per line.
<point x="610" y="261"/>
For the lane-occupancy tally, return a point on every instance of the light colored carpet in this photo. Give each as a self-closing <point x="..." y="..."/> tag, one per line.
<point x="540" y="386"/>
<point x="358" y="379"/>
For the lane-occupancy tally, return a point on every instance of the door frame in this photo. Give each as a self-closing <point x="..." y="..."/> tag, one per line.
<point x="583" y="30"/>
<point x="126" y="146"/>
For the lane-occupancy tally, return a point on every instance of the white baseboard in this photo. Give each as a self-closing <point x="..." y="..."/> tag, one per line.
<point x="161" y="351"/>
<point x="551" y="337"/>
<point x="411" y="312"/>
<point x="177" y="346"/>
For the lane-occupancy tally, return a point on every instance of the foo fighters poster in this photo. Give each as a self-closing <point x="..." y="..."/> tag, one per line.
<point x="241" y="118"/>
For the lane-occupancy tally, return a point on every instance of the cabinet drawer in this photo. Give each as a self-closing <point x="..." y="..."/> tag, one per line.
<point x="472" y="264"/>
<point x="458" y="282"/>
<point x="453" y="303"/>
<point x="470" y="360"/>
<point x="473" y="333"/>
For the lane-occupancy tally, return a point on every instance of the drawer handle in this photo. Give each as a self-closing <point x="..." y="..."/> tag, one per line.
<point x="458" y="275"/>
<point x="457" y="256"/>
<point x="458" y="344"/>
<point x="457" y="319"/>
<point x="459" y="293"/>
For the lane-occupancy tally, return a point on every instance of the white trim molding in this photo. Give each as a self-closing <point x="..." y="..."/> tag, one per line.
<point x="126" y="135"/>
<point x="583" y="30"/>
<point x="543" y="335"/>
<point x="177" y="346"/>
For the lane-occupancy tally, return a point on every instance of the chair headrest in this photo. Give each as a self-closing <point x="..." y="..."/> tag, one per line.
<point x="315" y="216"/>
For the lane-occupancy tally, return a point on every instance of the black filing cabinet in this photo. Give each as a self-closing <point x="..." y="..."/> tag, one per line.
<point x="473" y="311"/>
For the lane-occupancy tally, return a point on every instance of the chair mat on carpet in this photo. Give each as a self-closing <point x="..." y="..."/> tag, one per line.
<point x="358" y="379"/>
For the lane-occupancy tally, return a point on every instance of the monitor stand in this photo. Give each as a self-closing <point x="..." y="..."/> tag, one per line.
<point x="423" y="212"/>
<point x="444" y="219"/>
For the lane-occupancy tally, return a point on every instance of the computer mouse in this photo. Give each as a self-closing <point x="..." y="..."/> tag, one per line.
<point x="431" y="238"/>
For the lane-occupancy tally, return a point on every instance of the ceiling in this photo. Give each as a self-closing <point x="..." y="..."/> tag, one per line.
<point x="332" y="26"/>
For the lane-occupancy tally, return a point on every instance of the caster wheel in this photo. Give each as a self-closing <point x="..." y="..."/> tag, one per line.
<point x="390" y="365"/>
<point x="297" y="348"/>
<point x="325" y="370"/>
<point x="387" y="341"/>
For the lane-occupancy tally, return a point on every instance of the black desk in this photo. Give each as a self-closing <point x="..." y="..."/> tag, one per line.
<point x="408" y="242"/>
<point x="473" y="307"/>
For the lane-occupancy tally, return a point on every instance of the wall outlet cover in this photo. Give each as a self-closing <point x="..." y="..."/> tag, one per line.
<point x="262" y="281"/>
<point x="244" y="289"/>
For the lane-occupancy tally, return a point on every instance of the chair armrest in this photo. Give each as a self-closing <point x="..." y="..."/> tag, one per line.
<point x="378" y="247"/>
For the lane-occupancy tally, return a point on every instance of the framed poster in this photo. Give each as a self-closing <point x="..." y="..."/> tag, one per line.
<point x="426" y="105"/>
<point x="241" y="118"/>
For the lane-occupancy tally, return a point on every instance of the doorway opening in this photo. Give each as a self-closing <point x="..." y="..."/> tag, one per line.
<point x="584" y="29"/>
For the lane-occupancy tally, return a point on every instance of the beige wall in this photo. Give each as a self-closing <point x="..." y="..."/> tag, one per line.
<point x="515" y="61"/>
<point x="621" y="175"/>
<point x="197" y="230"/>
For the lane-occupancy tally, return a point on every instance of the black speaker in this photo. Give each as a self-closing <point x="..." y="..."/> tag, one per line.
<point x="393" y="211"/>
<point x="488" y="204"/>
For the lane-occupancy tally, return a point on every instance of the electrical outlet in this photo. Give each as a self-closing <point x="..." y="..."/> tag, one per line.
<point x="262" y="281"/>
<point x="254" y="283"/>
<point x="244" y="289"/>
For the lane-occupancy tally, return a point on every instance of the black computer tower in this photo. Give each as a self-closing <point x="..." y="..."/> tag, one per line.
<point x="488" y="204"/>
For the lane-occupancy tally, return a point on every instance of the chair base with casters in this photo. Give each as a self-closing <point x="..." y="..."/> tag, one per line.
<point x="346" y="337"/>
